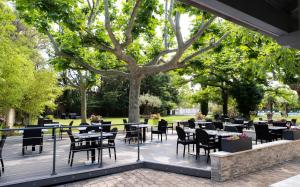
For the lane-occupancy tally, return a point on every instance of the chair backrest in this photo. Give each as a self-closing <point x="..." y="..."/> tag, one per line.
<point x="192" y="124"/>
<point x="231" y="129"/>
<point x="84" y="124"/>
<point x="70" y="125"/>
<point x="279" y="123"/>
<point x="238" y="121"/>
<point x="210" y="126"/>
<point x="93" y="128"/>
<point x="218" y="124"/>
<point x="146" y="121"/>
<point x="72" y="139"/>
<point x="32" y="136"/>
<point x="114" y="131"/>
<point x="202" y="137"/>
<point x="2" y="141"/>
<point x="184" y="123"/>
<point x="107" y="126"/>
<point x="162" y="125"/>
<point x="180" y="133"/>
<point x="125" y="121"/>
<point x="261" y="131"/>
<point x="294" y="121"/>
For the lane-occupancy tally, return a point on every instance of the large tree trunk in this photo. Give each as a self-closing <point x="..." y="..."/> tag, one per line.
<point x="225" y="101"/>
<point x="134" y="93"/>
<point x="10" y="118"/>
<point x="83" y="103"/>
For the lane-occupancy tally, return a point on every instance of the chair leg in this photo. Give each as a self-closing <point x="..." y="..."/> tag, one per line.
<point x="151" y="136"/>
<point x="183" y="150"/>
<point x="2" y="164"/>
<point x="109" y="152"/>
<point x="115" y="153"/>
<point x="69" y="157"/>
<point x="72" y="158"/>
<point x="41" y="149"/>
<point x="177" y="149"/>
<point x="188" y="148"/>
<point x="87" y="155"/>
<point x="208" y="155"/>
<point x="161" y="137"/>
<point x="166" y="136"/>
<point x="193" y="147"/>
<point x="23" y="150"/>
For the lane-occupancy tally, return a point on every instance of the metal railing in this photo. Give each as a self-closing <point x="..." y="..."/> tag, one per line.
<point x="16" y="136"/>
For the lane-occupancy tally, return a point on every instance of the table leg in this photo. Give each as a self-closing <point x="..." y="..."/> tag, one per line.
<point x="144" y="134"/>
<point x="53" y="132"/>
<point x="219" y="143"/>
<point x="93" y="150"/>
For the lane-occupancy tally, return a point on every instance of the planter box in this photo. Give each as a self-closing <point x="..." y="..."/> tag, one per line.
<point x="291" y="134"/>
<point x="236" y="145"/>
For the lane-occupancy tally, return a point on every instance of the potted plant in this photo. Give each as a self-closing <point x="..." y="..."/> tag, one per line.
<point x="293" y="134"/>
<point x="236" y="143"/>
<point x="155" y="118"/>
<point x="200" y="116"/>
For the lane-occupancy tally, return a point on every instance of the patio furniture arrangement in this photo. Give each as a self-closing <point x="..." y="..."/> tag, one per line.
<point x="131" y="133"/>
<point x="111" y="144"/>
<point x="161" y="129"/>
<point x="263" y="133"/>
<point x="32" y="137"/>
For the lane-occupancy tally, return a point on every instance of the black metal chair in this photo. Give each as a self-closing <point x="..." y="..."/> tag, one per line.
<point x="64" y="129"/>
<point x="161" y="129"/>
<point x="93" y="128"/>
<point x="83" y="124"/>
<point x="131" y="133"/>
<point x="106" y="126"/>
<point x="231" y="129"/>
<point x="294" y="121"/>
<point x="210" y="126"/>
<point x="2" y="141"/>
<point x="218" y="124"/>
<point x="77" y="146"/>
<point x="32" y="137"/>
<point x="192" y="124"/>
<point x="263" y="133"/>
<point x="203" y="141"/>
<point x="109" y="145"/>
<point x="184" y="140"/>
<point x="125" y="121"/>
<point x="249" y="124"/>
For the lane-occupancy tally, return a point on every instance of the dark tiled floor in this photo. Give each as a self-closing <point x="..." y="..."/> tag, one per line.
<point x="18" y="167"/>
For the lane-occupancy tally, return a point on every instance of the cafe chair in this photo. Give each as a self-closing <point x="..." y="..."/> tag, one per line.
<point x="184" y="140"/>
<point x="231" y="129"/>
<point x="77" y="146"/>
<point x="263" y="133"/>
<point x="32" y="137"/>
<point x="111" y="144"/>
<point x="64" y="129"/>
<point x="203" y="141"/>
<point x="161" y="129"/>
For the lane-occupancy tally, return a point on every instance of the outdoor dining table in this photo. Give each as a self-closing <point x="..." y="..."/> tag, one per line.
<point x="218" y="133"/>
<point x="277" y="128"/>
<point x="144" y="128"/>
<point x="91" y="137"/>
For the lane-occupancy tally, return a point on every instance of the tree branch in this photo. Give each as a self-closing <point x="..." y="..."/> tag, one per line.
<point x="213" y="45"/>
<point x="178" y="31"/>
<point x="93" y="9"/>
<point x="108" y="26"/>
<point x="162" y="53"/>
<point x="128" y="32"/>
<point x="80" y="62"/>
<point x="199" y="33"/>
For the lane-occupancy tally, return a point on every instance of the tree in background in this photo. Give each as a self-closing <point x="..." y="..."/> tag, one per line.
<point x="149" y="103"/>
<point x="26" y="85"/>
<point x="128" y="33"/>
<point x="81" y="80"/>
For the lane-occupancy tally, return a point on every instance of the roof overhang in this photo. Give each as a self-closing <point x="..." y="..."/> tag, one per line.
<point x="275" y="18"/>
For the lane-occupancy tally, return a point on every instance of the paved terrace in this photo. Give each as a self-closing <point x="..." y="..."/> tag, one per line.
<point x="33" y="165"/>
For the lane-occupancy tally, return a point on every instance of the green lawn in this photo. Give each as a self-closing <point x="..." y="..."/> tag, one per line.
<point x="119" y="120"/>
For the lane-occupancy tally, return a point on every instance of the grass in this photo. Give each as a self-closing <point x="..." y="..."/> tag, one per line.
<point x="119" y="120"/>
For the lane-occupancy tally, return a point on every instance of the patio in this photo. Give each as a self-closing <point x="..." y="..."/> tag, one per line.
<point x="33" y="165"/>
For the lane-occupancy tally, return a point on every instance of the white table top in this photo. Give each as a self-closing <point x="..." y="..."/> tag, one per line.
<point x="234" y="125"/>
<point x="84" y="128"/>
<point x="141" y="125"/>
<point x="203" y="122"/>
<point x="277" y="128"/>
<point x="92" y="135"/>
<point x="43" y="130"/>
<point x="52" y="125"/>
<point x="214" y="132"/>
